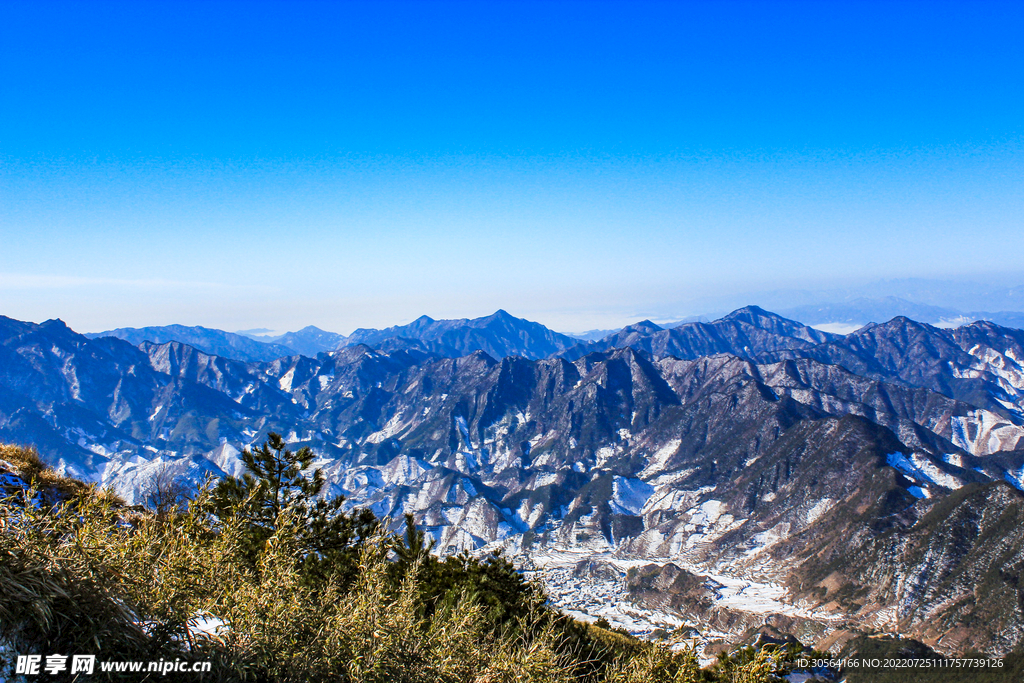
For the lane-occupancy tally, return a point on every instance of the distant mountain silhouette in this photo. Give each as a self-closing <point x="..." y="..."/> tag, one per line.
<point x="498" y="335"/>
<point x="213" y="342"/>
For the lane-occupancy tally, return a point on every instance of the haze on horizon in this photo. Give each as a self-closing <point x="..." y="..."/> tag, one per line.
<point x="582" y="164"/>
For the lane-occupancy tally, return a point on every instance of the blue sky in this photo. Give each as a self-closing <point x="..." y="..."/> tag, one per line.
<point x="241" y="165"/>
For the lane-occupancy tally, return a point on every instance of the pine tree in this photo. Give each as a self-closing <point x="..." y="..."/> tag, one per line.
<point x="276" y="490"/>
<point x="416" y="548"/>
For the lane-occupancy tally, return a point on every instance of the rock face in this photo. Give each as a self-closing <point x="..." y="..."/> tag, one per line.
<point x="809" y="481"/>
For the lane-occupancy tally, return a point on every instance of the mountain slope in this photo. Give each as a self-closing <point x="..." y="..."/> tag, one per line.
<point x="980" y="364"/>
<point x="951" y="576"/>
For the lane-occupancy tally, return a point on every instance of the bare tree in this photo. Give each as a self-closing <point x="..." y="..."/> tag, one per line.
<point x="166" y="493"/>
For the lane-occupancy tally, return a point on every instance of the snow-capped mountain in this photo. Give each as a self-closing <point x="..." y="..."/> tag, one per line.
<point x="805" y="478"/>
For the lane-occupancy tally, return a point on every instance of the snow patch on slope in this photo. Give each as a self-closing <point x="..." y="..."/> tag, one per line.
<point x="286" y="380"/>
<point x="393" y="426"/>
<point x="982" y="432"/>
<point x="923" y="471"/>
<point x="1015" y="478"/>
<point x="660" y="459"/>
<point x="403" y="470"/>
<point x="933" y="473"/>
<point x="1005" y="366"/>
<point x="629" y="496"/>
<point x="817" y="510"/>
<point x="708" y="522"/>
<point x="674" y="499"/>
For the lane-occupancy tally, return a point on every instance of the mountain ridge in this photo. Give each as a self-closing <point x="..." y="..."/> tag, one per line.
<point x="749" y="332"/>
<point x="499" y="334"/>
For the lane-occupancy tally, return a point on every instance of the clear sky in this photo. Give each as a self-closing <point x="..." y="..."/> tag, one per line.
<point x="241" y="165"/>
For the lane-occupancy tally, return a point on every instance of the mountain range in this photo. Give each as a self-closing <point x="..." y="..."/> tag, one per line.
<point x="749" y="332"/>
<point x="501" y="334"/>
<point x="214" y="342"/>
<point x="762" y="473"/>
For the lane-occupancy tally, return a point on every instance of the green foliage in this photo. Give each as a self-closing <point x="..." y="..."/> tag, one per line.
<point x="89" y="575"/>
<point x="306" y="592"/>
<point x="491" y="582"/>
<point x="750" y="665"/>
<point x="275" y="491"/>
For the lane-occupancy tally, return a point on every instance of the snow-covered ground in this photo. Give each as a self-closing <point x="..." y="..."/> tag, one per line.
<point x="591" y="595"/>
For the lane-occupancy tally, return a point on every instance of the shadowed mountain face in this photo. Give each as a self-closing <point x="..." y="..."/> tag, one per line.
<point x="827" y="465"/>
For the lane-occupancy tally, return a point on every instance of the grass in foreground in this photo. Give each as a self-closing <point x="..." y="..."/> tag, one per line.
<point x="351" y="602"/>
